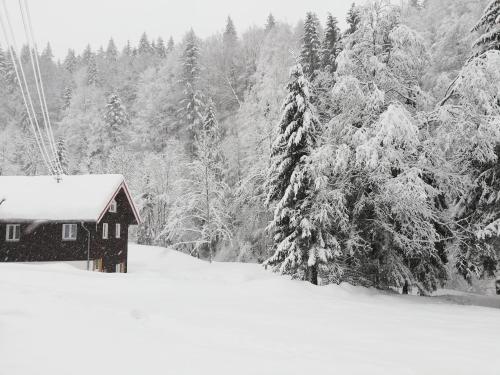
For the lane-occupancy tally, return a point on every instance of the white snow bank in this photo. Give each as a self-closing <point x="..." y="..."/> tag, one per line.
<point x="173" y="314"/>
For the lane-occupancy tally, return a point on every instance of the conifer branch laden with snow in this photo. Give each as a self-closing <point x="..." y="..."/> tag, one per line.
<point x="300" y="243"/>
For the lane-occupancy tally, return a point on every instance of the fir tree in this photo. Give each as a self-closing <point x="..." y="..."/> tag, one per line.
<point x="7" y="72"/>
<point x="115" y="117"/>
<point x="87" y="55"/>
<point x="229" y="37"/>
<point x="311" y="46"/>
<point x="270" y="23"/>
<point x="25" y="54"/>
<point x="161" y="50"/>
<point x="191" y="105"/>
<point x="67" y="95"/>
<point x="352" y="19"/>
<point x="92" y="73"/>
<point x="47" y="54"/>
<point x="144" y="47"/>
<point x="490" y="24"/>
<point x="170" y="45"/>
<point x="127" y="50"/>
<point x="330" y="48"/>
<point x="62" y="155"/>
<point x="111" y="51"/>
<point x="70" y="61"/>
<point x="300" y="244"/>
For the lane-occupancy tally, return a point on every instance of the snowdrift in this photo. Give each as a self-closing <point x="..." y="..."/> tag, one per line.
<point x="173" y="314"/>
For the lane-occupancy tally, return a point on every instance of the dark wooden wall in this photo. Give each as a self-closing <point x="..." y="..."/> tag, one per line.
<point x="42" y="242"/>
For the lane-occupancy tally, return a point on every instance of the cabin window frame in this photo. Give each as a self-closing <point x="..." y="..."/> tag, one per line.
<point x="8" y="232"/>
<point x="105" y="231"/>
<point x="113" y="206"/>
<point x="70" y="237"/>
<point x="118" y="230"/>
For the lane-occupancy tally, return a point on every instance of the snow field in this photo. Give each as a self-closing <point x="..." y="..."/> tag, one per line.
<point x="173" y="314"/>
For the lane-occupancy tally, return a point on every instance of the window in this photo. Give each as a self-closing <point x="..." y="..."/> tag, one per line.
<point x="118" y="228"/>
<point x="113" y="206"/>
<point x="69" y="232"/>
<point x="105" y="231"/>
<point x="13" y="232"/>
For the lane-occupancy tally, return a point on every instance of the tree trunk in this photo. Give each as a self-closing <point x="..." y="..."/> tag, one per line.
<point x="406" y="288"/>
<point x="313" y="274"/>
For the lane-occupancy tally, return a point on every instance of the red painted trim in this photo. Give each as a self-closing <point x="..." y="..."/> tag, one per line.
<point x="130" y="201"/>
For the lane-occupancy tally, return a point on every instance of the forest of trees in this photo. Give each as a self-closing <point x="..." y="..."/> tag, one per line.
<point x="367" y="155"/>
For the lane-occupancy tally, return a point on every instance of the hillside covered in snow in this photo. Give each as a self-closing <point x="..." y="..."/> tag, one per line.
<point x="173" y="314"/>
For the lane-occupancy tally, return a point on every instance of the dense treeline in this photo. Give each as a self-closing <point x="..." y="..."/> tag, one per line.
<point x="373" y="162"/>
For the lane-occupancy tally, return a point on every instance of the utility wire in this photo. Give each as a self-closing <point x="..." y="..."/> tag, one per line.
<point x="28" y="28"/>
<point x="25" y="95"/>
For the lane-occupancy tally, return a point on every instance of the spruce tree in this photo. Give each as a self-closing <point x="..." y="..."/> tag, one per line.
<point x="300" y="245"/>
<point x="92" y="73"/>
<point x="161" y="50"/>
<point x="127" y="50"/>
<point x="490" y="24"/>
<point x="47" y="54"/>
<point x="229" y="37"/>
<point x="111" y="51"/>
<point x="353" y="19"/>
<point x="62" y="155"/>
<point x="270" y="23"/>
<point x="7" y="72"/>
<point x="67" y="95"/>
<point x="144" y="47"/>
<point x="87" y="54"/>
<point x="311" y="46"/>
<point x="70" y="61"/>
<point x="191" y="107"/>
<point x="330" y="47"/>
<point x="170" y="45"/>
<point x="115" y="117"/>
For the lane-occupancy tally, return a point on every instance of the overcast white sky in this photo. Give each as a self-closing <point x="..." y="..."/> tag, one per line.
<point x="74" y="23"/>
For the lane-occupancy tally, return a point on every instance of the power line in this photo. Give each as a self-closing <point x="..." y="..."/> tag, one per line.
<point x="38" y="81"/>
<point x="25" y="95"/>
<point x="28" y="102"/>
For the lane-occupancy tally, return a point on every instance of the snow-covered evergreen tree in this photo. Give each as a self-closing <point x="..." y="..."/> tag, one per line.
<point x="7" y="72"/>
<point x="160" y="49"/>
<point x="87" y="54"/>
<point x="270" y="23"/>
<point x="111" y="51"/>
<point x="115" y="117"/>
<point x="352" y="19"/>
<point x="67" y="95"/>
<point x="490" y="25"/>
<point x="127" y="50"/>
<point x="92" y="73"/>
<point x="62" y="155"/>
<point x="170" y="45"/>
<point x="191" y="105"/>
<point x="300" y="243"/>
<point x="70" y="61"/>
<point x="144" y="47"/>
<point x="331" y="47"/>
<point x="310" y="55"/>
<point x="47" y="53"/>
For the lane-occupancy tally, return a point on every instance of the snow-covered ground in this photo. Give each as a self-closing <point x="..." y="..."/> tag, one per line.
<point x="173" y="314"/>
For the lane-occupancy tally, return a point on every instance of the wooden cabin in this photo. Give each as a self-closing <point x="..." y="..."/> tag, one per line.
<point x="82" y="219"/>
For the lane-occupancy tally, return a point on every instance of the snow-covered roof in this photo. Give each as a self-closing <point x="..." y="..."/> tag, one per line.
<point x="73" y="198"/>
